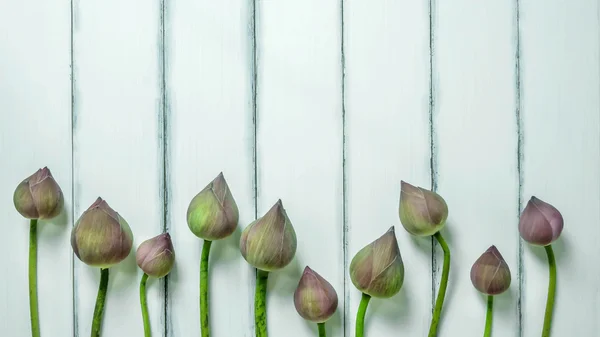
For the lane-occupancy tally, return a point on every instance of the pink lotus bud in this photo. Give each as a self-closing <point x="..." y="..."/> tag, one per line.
<point x="269" y="243"/>
<point x="422" y="212"/>
<point x="39" y="196"/>
<point x="156" y="256"/>
<point x="377" y="269"/>
<point x="490" y="274"/>
<point x="314" y="298"/>
<point x="101" y="237"/>
<point x="540" y="223"/>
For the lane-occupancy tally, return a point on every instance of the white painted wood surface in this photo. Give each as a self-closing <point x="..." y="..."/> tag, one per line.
<point x="326" y="105"/>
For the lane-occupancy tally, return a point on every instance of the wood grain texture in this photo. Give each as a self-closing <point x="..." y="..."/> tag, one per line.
<point x="387" y="140"/>
<point x="560" y="71"/>
<point x="299" y="147"/>
<point x="209" y="82"/>
<point x="477" y="154"/>
<point x="35" y="131"/>
<point x="116" y="148"/>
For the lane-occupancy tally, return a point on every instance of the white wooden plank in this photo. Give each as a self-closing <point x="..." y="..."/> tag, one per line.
<point x="211" y="131"/>
<point x="387" y="140"/>
<point x="300" y="147"/>
<point x="117" y="108"/>
<point x="476" y="126"/>
<point x="560" y="46"/>
<point x="35" y="123"/>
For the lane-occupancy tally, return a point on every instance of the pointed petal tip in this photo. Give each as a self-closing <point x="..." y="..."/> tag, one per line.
<point x="307" y="270"/>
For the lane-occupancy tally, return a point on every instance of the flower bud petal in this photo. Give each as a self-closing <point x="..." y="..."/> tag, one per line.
<point x="378" y="269"/>
<point x="39" y="196"/>
<point x="269" y="243"/>
<point x="540" y="223"/>
<point x="213" y="213"/>
<point x="422" y="212"/>
<point x="315" y="298"/>
<point x="101" y="237"/>
<point x="490" y="273"/>
<point x="156" y="256"/>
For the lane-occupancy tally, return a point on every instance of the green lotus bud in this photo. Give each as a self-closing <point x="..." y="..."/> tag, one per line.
<point x="39" y="196"/>
<point x="422" y="212"/>
<point x="377" y="269"/>
<point x="269" y="243"/>
<point x="213" y="213"/>
<point x="314" y="298"/>
<point x="540" y="223"/>
<point x="101" y="237"/>
<point x="156" y="256"/>
<point x="490" y="274"/>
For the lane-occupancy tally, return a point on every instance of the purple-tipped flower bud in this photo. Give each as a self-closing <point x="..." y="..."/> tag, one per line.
<point x="540" y="223"/>
<point x="377" y="269"/>
<point x="314" y="298"/>
<point x="101" y="237"/>
<point x="269" y="243"/>
<point x="39" y="196"/>
<point x="156" y="256"/>
<point x="490" y="274"/>
<point x="422" y="212"/>
<point x="213" y="213"/>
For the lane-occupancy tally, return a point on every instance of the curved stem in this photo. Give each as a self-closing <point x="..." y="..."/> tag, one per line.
<point x="204" y="289"/>
<point x="439" y="302"/>
<point x="322" y="332"/>
<point x="489" y="317"/>
<point x="360" y="315"/>
<point x="144" y="304"/>
<point x="99" y="310"/>
<point x="260" y="303"/>
<point x="33" y="299"/>
<point x="551" y="292"/>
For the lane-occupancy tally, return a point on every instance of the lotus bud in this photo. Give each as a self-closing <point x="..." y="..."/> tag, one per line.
<point x="422" y="212"/>
<point x="540" y="223"/>
<point x="101" y="237"/>
<point x="39" y="196"/>
<point x="213" y="213"/>
<point x="269" y="243"/>
<point x="377" y="269"/>
<point x="156" y="256"/>
<point x="314" y="298"/>
<point x="490" y="273"/>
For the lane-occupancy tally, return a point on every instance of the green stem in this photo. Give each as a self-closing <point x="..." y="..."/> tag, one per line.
<point x="260" y="303"/>
<point x="33" y="299"/>
<point x="489" y="317"/>
<point x="322" y="332"/>
<point x="99" y="309"/>
<point x="360" y="315"/>
<point x="205" y="327"/>
<point x="439" y="302"/>
<point x="144" y="304"/>
<point x="551" y="292"/>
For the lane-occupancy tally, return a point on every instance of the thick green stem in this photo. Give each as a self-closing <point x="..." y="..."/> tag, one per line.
<point x="144" y="304"/>
<point x="322" y="332"/>
<point x="489" y="317"/>
<point x="360" y="315"/>
<point x="99" y="310"/>
<point x="33" y="299"/>
<point x="260" y="303"/>
<point x="204" y="321"/>
<point x="439" y="302"/>
<point x="551" y="292"/>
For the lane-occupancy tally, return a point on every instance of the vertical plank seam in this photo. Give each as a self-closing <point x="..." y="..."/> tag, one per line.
<point x="432" y="149"/>
<point x="254" y="80"/>
<point x="164" y="152"/>
<point x="519" y="122"/>
<point x="75" y="325"/>
<point x="344" y="176"/>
